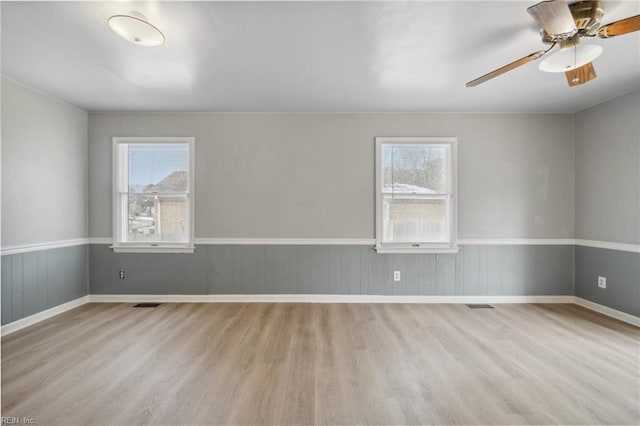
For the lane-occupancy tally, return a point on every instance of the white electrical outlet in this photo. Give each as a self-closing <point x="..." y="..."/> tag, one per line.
<point x="396" y="275"/>
<point x="602" y="282"/>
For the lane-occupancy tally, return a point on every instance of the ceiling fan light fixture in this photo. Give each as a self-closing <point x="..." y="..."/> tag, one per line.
<point x="136" y="29"/>
<point x="570" y="58"/>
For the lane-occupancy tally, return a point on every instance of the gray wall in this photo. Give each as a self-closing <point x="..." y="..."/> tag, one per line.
<point x="608" y="201"/>
<point x="44" y="168"/>
<point x="240" y="269"/>
<point x="33" y="282"/>
<point x="607" y="152"/>
<point x="311" y="175"/>
<point x="44" y="199"/>
<point x="622" y="270"/>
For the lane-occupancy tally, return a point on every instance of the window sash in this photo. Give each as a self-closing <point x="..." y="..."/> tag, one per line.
<point x="159" y="194"/>
<point x="417" y="196"/>
<point x="392" y="223"/>
<point x="449" y="222"/>
<point x="121" y="194"/>
<point x="126" y="214"/>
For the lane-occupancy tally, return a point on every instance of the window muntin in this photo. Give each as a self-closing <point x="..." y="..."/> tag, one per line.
<point x="153" y="202"/>
<point x="415" y="198"/>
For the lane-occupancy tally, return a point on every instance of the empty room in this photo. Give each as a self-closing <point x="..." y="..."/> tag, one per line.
<point x="320" y="213"/>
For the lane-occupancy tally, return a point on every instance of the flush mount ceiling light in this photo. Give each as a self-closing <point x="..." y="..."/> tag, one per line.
<point x="136" y="29"/>
<point x="570" y="58"/>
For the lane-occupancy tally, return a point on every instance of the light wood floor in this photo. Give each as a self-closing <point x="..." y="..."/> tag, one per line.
<point x="254" y="364"/>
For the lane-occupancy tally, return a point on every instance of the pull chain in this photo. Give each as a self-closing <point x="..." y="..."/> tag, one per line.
<point x="575" y="63"/>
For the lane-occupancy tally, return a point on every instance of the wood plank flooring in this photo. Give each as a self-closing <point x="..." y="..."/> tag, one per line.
<point x="343" y="364"/>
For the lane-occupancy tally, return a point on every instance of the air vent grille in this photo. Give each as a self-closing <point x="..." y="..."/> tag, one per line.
<point x="479" y="306"/>
<point x="146" y="305"/>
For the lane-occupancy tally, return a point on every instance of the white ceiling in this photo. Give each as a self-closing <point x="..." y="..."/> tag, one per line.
<point x="303" y="56"/>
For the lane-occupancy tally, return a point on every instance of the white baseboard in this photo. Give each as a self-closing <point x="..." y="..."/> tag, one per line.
<point x="610" y="312"/>
<point x="318" y="298"/>
<point x="41" y="316"/>
<point x="308" y="298"/>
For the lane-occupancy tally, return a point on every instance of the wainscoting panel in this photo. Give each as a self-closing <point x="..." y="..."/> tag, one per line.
<point x="306" y="269"/>
<point x="622" y="270"/>
<point x="35" y="281"/>
<point x="148" y="273"/>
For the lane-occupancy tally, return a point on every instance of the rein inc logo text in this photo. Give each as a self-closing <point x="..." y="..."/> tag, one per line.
<point x="17" y="421"/>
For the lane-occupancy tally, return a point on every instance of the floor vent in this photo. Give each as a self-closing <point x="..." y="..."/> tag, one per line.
<point x="146" y="305"/>
<point x="479" y="306"/>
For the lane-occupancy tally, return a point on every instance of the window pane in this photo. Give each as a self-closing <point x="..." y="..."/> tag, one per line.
<point x="414" y="169"/>
<point x="415" y="220"/>
<point x="160" y="218"/>
<point x="158" y="167"/>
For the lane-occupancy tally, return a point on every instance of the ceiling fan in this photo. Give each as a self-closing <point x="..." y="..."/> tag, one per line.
<point x="564" y="25"/>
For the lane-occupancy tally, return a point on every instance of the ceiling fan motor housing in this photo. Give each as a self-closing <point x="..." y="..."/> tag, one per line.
<point x="587" y="16"/>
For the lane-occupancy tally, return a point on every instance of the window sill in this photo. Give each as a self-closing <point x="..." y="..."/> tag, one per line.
<point x="153" y="249"/>
<point x="417" y="250"/>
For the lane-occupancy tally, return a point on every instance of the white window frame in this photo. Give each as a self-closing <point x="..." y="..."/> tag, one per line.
<point x="418" y="246"/>
<point x="119" y="168"/>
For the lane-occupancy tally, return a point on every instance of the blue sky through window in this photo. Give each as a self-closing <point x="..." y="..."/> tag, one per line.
<point x="149" y="164"/>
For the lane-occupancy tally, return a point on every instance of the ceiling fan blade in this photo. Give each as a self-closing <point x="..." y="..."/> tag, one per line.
<point x="623" y="26"/>
<point x="581" y="75"/>
<point x="554" y="17"/>
<point x="515" y="64"/>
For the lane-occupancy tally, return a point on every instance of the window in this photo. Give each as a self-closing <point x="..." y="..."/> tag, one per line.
<point x="153" y="186"/>
<point x="415" y="195"/>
